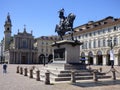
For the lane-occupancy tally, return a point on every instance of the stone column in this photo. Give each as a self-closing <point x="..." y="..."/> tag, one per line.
<point x="116" y="62"/>
<point x="86" y="61"/>
<point x="95" y="60"/>
<point x="92" y="42"/>
<point x="14" y="58"/>
<point x="118" y="37"/>
<point x="96" y="41"/>
<point x="20" y="57"/>
<point x="104" y="60"/>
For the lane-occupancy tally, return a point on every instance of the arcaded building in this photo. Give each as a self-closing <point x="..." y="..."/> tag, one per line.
<point x="95" y="36"/>
<point x="44" y="47"/>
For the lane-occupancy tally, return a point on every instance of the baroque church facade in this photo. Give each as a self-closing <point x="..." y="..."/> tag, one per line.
<point x="18" y="49"/>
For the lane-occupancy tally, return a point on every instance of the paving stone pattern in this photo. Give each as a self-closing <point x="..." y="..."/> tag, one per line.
<point x="13" y="81"/>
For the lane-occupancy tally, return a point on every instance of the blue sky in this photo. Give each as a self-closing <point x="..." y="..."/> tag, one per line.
<point x="41" y="16"/>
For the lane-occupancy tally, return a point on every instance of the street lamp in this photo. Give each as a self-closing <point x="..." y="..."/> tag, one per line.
<point x="111" y="44"/>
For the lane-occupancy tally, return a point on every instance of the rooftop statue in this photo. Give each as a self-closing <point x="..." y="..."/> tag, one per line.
<point x="65" y="24"/>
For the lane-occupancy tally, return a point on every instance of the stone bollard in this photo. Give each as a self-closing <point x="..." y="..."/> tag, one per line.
<point x="17" y="69"/>
<point x="95" y="78"/>
<point x="90" y="68"/>
<point x="113" y="74"/>
<point x="73" y="80"/>
<point x="100" y="69"/>
<point x="37" y="75"/>
<point x="21" y="70"/>
<point x="31" y="73"/>
<point x="25" y="71"/>
<point x="47" y="78"/>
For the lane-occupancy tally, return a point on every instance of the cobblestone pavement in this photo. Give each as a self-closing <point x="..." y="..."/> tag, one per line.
<point x="13" y="81"/>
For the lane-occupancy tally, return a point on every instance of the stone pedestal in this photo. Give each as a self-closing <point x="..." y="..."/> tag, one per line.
<point x="66" y="55"/>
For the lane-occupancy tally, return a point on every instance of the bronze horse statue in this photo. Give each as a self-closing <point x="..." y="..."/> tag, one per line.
<point x="65" y="25"/>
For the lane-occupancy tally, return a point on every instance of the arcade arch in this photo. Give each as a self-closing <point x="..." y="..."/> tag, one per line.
<point x="82" y="55"/>
<point x="90" y="58"/>
<point x="108" y="58"/>
<point x="99" y="58"/>
<point x="50" y="57"/>
<point x="41" y="59"/>
<point x="82" y="59"/>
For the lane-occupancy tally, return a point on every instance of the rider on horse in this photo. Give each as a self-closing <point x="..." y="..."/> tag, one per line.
<point x="65" y="25"/>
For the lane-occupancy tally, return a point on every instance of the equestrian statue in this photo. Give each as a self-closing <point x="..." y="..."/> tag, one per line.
<point x="65" y="24"/>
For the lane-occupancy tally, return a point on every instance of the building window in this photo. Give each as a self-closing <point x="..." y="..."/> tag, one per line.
<point x="83" y="46"/>
<point x="90" y="34"/>
<point x="8" y="29"/>
<point x="94" y="33"/>
<point x="86" y="45"/>
<point x="79" y="37"/>
<point x="24" y="43"/>
<point x="90" y="44"/>
<point x="109" y="30"/>
<point x="42" y="43"/>
<point x="94" y="44"/>
<point x="46" y="50"/>
<point x="46" y="43"/>
<point x="42" y="50"/>
<point x="86" y="35"/>
<point x="98" y="43"/>
<point x="103" y="30"/>
<point x="103" y="42"/>
<point x="115" y="28"/>
<point x="115" y="40"/>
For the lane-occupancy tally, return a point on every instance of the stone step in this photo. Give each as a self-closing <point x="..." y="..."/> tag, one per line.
<point x="69" y="74"/>
<point x="78" y="78"/>
<point x="66" y="71"/>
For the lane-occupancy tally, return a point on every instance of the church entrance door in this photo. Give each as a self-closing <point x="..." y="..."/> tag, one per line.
<point x="23" y="61"/>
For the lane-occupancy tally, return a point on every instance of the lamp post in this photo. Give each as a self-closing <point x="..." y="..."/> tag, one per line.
<point x="111" y="44"/>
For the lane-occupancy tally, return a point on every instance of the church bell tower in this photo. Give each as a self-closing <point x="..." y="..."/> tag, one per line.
<point x="7" y="32"/>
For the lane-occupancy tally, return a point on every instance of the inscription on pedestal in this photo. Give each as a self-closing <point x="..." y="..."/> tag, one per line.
<point x="59" y="54"/>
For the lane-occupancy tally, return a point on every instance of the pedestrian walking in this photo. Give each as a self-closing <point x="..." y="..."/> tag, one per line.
<point x="4" y="68"/>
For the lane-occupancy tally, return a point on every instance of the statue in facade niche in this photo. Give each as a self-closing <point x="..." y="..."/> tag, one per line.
<point x="65" y="24"/>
